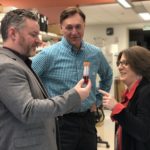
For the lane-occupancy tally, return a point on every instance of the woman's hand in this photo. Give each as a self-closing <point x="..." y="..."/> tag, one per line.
<point x="108" y="101"/>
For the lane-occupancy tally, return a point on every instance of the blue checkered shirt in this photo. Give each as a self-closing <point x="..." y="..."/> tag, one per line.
<point x="60" y="67"/>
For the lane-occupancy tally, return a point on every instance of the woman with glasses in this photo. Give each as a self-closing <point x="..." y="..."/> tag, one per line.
<point x="132" y="114"/>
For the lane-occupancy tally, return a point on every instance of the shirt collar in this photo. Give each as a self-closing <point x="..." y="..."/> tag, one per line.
<point x="24" y="58"/>
<point x="129" y="93"/>
<point x="16" y="53"/>
<point x="71" y="47"/>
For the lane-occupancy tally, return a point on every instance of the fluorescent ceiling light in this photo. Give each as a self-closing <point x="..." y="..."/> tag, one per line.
<point x="146" y="28"/>
<point x="1" y="16"/>
<point x="125" y="3"/>
<point x="145" y="16"/>
<point x="7" y="9"/>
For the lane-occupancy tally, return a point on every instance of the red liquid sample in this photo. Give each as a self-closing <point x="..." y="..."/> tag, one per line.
<point x="86" y="79"/>
<point x="86" y="71"/>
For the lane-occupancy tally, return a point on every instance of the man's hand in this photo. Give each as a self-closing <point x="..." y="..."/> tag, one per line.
<point x="83" y="90"/>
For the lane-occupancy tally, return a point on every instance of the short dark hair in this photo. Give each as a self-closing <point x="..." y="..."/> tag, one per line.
<point x="70" y="11"/>
<point x="15" y="18"/>
<point x="139" y="60"/>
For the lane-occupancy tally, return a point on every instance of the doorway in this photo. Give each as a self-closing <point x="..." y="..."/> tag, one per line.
<point x="139" y="37"/>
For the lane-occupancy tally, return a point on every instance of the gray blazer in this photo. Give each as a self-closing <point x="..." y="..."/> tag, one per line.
<point x="27" y="116"/>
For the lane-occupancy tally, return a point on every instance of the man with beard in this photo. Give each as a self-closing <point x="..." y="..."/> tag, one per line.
<point x="27" y="114"/>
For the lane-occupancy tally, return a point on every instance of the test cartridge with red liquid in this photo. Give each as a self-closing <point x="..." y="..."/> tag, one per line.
<point x="86" y="71"/>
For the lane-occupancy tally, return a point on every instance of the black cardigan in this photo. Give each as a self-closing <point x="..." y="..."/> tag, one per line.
<point x="135" y="119"/>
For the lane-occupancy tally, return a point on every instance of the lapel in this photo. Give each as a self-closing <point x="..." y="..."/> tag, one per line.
<point x="22" y="64"/>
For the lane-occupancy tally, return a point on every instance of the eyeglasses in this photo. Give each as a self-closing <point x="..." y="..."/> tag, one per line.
<point x="122" y="63"/>
<point x="78" y="27"/>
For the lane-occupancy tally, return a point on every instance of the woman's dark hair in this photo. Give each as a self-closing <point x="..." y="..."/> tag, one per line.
<point x="139" y="60"/>
<point x="70" y="11"/>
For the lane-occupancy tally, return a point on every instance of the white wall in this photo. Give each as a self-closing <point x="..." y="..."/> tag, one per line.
<point x="96" y="34"/>
<point x="120" y="35"/>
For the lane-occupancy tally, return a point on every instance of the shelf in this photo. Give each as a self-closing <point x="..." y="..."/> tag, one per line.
<point x="49" y="36"/>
